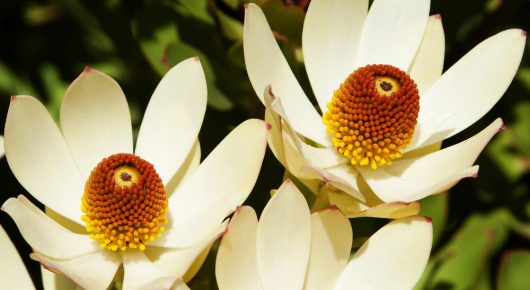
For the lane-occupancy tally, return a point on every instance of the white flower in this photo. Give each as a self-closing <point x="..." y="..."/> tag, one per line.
<point x="292" y="250"/>
<point x="53" y="165"/>
<point x="13" y="273"/>
<point x="342" y="36"/>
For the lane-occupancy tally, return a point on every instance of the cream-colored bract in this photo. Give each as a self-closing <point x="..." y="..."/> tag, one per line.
<point x="291" y="249"/>
<point x="53" y="164"/>
<point x="13" y="273"/>
<point x="340" y="36"/>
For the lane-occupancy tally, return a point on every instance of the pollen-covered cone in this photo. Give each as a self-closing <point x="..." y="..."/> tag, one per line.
<point x="291" y="249"/>
<point x="384" y="106"/>
<point x="152" y="209"/>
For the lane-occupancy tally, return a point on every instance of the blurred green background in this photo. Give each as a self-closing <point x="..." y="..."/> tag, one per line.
<point x="482" y="226"/>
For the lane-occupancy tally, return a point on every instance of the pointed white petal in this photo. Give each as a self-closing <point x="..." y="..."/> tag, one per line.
<point x="266" y="66"/>
<point x="187" y="235"/>
<point x="177" y="262"/>
<point x="38" y="156"/>
<point x="173" y="118"/>
<point x="330" y="39"/>
<point x="92" y="271"/>
<point x="331" y="241"/>
<point x="284" y="240"/>
<point x="393" y="258"/>
<point x="140" y="273"/>
<point x="428" y="64"/>
<point x="468" y="90"/>
<point x="343" y="177"/>
<point x="44" y="234"/>
<point x="180" y="285"/>
<point x="415" y="178"/>
<point x="236" y="266"/>
<point x="13" y="273"/>
<point x="224" y="179"/>
<point x="95" y="119"/>
<point x="392" y="32"/>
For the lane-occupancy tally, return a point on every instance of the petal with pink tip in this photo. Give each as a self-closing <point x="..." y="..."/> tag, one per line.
<point x="173" y="118"/>
<point x="40" y="159"/>
<point x="393" y="258"/>
<point x="95" y="119"/>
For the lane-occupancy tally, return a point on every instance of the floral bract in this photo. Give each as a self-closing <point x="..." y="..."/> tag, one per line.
<point x="369" y="136"/>
<point x="153" y="209"/>
<point x="291" y="249"/>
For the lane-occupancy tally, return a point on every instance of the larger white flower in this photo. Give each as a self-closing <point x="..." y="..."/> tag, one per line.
<point x="108" y="206"/>
<point x="371" y="71"/>
<point x="290" y="249"/>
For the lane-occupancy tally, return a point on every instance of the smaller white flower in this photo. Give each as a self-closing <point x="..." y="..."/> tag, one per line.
<point x="13" y="273"/>
<point x="291" y="249"/>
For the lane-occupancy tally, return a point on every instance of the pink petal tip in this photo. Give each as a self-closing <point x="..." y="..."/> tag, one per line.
<point x="523" y="33"/>
<point x="438" y="16"/>
<point x="12" y="98"/>
<point x="268" y="126"/>
<point x="87" y="69"/>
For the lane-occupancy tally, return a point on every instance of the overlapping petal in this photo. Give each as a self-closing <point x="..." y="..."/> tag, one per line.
<point x="44" y="234"/>
<point x="468" y="90"/>
<point x="140" y="273"/>
<point x="330" y="38"/>
<point x="266" y="66"/>
<point x="331" y="241"/>
<point x="428" y="64"/>
<point x="223" y="180"/>
<point x="393" y="258"/>
<point x="95" y="119"/>
<point x="414" y="178"/>
<point x="13" y="273"/>
<point x="284" y="239"/>
<point x="173" y="118"/>
<point x="236" y="265"/>
<point x="91" y="271"/>
<point x="392" y="32"/>
<point x="40" y="159"/>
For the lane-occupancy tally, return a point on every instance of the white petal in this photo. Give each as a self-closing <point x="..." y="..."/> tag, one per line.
<point x="2" y="150"/>
<point x="187" y="168"/>
<point x="266" y="66"/>
<point x="173" y="118"/>
<point x="13" y="273"/>
<point x="331" y="241"/>
<point x="224" y="179"/>
<point x="52" y="281"/>
<point x="177" y="262"/>
<point x="140" y="273"/>
<point x="187" y="235"/>
<point x="343" y="177"/>
<point x="353" y="208"/>
<point x="95" y="119"/>
<point x="468" y="90"/>
<point x="180" y="285"/>
<point x="44" y="234"/>
<point x="284" y="240"/>
<point x="92" y="271"/>
<point x="428" y="64"/>
<point x="236" y="265"/>
<point x="38" y="156"/>
<point x="392" y="32"/>
<point x="415" y="178"/>
<point x="393" y="258"/>
<point x="330" y="39"/>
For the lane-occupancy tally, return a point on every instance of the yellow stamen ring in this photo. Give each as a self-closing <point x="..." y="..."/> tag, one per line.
<point x="373" y="115"/>
<point x="124" y="202"/>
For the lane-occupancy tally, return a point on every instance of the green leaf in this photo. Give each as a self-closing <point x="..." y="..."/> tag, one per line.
<point x="55" y="87"/>
<point x="514" y="271"/>
<point x="197" y="9"/>
<point x="231" y="28"/>
<point x="435" y="206"/>
<point x="286" y="20"/>
<point x="469" y="252"/>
